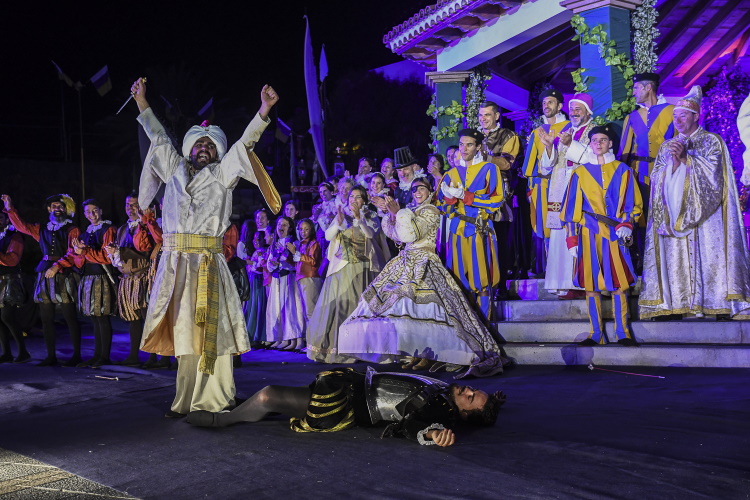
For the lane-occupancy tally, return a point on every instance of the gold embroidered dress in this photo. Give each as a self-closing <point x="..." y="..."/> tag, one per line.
<point x="696" y="259"/>
<point x="357" y="252"/>
<point x="415" y="307"/>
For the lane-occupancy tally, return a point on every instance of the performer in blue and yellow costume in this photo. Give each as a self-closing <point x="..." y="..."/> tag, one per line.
<point x="645" y="129"/>
<point x="602" y="203"/>
<point x="554" y="123"/>
<point x="643" y="132"/>
<point x="469" y="194"/>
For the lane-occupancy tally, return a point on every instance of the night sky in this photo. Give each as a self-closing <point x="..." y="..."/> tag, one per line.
<point x="234" y="46"/>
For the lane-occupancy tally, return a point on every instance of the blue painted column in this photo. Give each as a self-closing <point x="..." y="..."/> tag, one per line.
<point x="606" y="84"/>
<point x="448" y="87"/>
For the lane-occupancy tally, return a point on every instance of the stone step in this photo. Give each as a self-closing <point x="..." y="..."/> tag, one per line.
<point x="533" y="289"/>
<point x="557" y="310"/>
<point x="617" y="355"/>
<point x="695" y="331"/>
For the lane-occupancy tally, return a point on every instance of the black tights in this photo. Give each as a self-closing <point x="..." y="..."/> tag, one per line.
<point x="292" y="401"/>
<point x="102" y="337"/>
<point x="9" y="327"/>
<point x="136" y="332"/>
<point x="47" y="313"/>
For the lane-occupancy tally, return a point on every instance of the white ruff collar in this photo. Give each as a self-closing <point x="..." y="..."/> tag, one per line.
<point x="559" y="117"/>
<point x="54" y="226"/>
<point x="95" y="227"/>
<point x="132" y="224"/>
<point x="405" y="186"/>
<point x="494" y="129"/>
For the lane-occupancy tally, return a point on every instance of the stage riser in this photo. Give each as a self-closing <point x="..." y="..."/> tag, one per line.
<point x="557" y="310"/>
<point x="660" y="332"/>
<point x="533" y="289"/>
<point x="616" y="355"/>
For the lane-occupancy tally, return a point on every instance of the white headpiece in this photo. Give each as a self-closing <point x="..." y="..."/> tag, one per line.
<point x="213" y="132"/>
<point x="692" y="101"/>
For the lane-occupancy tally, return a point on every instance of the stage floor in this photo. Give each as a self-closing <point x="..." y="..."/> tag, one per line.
<point x="567" y="433"/>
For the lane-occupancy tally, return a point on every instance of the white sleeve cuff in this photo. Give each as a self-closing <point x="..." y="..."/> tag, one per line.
<point x="115" y="258"/>
<point x="578" y="153"/>
<point x="547" y="162"/>
<point x="432" y="427"/>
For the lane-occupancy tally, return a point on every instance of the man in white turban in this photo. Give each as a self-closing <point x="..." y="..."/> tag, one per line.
<point x="194" y="311"/>
<point x="696" y="259"/>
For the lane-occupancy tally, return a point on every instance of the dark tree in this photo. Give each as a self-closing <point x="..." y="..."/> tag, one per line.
<point x="374" y="115"/>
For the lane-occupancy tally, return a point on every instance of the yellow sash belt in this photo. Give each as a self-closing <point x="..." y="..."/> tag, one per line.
<point x="207" y="306"/>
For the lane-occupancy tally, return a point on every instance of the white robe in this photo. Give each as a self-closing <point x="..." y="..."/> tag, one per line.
<point x="198" y="206"/>
<point x="560" y="264"/>
<point x="696" y="258"/>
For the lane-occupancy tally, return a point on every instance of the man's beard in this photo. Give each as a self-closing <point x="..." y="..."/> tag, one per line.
<point x="196" y="166"/>
<point x="577" y="121"/>
<point x="406" y="181"/>
<point x="57" y="216"/>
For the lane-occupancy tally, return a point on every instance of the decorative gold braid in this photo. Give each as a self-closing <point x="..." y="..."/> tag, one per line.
<point x="326" y="396"/>
<point x="342" y="406"/>
<point x="301" y="425"/>
<point x="319" y="404"/>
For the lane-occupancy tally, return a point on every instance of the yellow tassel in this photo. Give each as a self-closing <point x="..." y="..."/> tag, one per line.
<point x="207" y="365"/>
<point x="202" y="302"/>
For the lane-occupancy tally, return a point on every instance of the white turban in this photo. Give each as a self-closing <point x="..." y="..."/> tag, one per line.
<point x="213" y="132"/>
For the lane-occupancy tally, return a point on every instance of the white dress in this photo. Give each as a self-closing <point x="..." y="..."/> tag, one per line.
<point x="285" y="312"/>
<point x="356" y="254"/>
<point x="415" y="307"/>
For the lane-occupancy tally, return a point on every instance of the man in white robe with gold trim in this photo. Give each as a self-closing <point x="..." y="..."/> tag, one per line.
<point x="558" y="160"/>
<point x="194" y="311"/>
<point x="696" y="258"/>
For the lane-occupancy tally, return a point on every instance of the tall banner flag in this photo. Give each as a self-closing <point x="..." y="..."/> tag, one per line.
<point x="283" y="131"/>
<point x="101" y="81"/>
<point x="313" y="101"/>
<point x="61" y="74"/>
<point x="323" y="64"/>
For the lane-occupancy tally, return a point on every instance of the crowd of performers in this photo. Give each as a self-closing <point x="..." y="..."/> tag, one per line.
<point x="399" y="265"/>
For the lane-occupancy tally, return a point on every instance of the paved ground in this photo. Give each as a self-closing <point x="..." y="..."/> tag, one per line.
<point x="566" y="433"/>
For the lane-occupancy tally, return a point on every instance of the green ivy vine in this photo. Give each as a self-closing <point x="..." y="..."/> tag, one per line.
<point x="608" y="52"/>
<point x="475" y="94"/>
<point x="455" y="111"/>
<point x="643" y="22"/>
